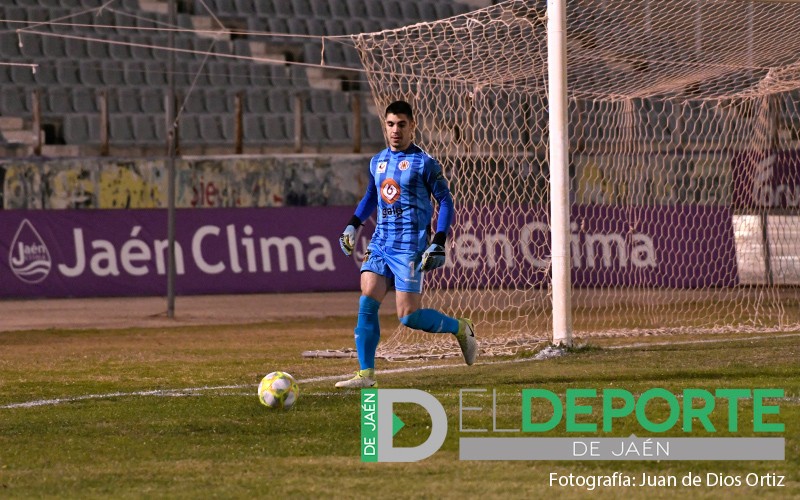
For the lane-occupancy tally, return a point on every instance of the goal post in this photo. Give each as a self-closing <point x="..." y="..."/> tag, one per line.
<point x="679" y="167"/>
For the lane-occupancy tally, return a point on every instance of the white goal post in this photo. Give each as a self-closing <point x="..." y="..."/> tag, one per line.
<point x="680" y="167"/>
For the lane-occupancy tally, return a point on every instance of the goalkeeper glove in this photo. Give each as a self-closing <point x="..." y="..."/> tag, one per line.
<point x="348" y="239"/>
<point x="432" y="258"/>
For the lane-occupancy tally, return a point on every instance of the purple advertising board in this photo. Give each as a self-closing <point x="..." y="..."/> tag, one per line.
<point x="766" y="180"/>
<point x="91" y="253"/>
<point x="81" y="253"/>
<point x="686" y="246"/>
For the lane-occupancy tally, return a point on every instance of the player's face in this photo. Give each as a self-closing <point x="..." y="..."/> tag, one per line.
<point x="399" y="130"/>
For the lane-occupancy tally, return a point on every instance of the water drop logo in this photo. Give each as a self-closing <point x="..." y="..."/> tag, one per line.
<point x="29" y="257"/>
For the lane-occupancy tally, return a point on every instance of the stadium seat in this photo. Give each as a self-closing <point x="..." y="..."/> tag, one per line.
<point x="67" y="72"/>
<point x="113" y="73"/>
<point x="53" y="47"/>
<point x="15" y="101"/>
<point x="392" y="9"/>
<point x="339" y="9"/>
<point x="22" y="75"/>
<point x="134" y="73"/>
<point x="9" y="47"/>
<point x="276" y="129"/>
<point x="32" y="46"/>
<point x="279" y="101"/>
<point x="84" y="100"/>
<point x="121" y="129"/>
<point x="283" y="8"/>
<point x="46" y="74"/>
<point x="427" y="10"/>
<point x="152" y="100"/>
<point x="189" y="129"/>
<point x="339" y="130"/>
<point x="147" y="129"/>
<point x="302" y="8"/>
<point x="216" y="101"/>
<point x="218" y="74"/>
<point x="321" y="9"/>
<point x="239" y="74"/>
<point x="75" y="48"/>
<point x="57" y="101"/>
<point x="211" y="130"/>
<point x="256" y="101"/>
<point x="126" y="100"/>
<point x="374" y="10"/>
<point x="89" y="72"/>
<point x="253" y="129"/>
<point x="155" y="73"/>
<point x="260" y="74"/>
<point x="5" y="75"/>
<point x="77" y="130"/>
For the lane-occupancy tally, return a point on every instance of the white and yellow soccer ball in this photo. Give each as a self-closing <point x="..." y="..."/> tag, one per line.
<point x="278" y="390"/>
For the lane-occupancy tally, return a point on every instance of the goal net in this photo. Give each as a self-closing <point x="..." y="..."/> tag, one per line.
<point x="684" y="165"/>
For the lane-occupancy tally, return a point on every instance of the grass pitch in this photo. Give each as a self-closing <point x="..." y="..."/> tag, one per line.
<point x="172" y="413"/>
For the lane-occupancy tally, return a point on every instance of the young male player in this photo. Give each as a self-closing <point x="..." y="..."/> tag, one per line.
<point x="403" y="179"/>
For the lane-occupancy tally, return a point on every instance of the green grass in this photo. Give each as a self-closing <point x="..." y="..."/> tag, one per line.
<point x="223" y="443"/>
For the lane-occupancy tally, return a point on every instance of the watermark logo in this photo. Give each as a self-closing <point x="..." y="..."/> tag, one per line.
<point x="379" y="425"/>
<point x="587" y="411"/>
<point x="28" y="257"/>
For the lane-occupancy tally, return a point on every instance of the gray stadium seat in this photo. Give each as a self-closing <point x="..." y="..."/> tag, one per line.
<point x="113" y="73"/>
<point x="32" y="46"/>
<point x="427" y="10"/>
<point x="121" y="129"/>
<point x="152" y="100"/>
<point x="239" y="73"/>
<point x="53" y="47"/>
<point x="189" y="129"/>
<point x="67" y="72"/>
<point x="283" y="8"/>
<point x="260" y="74"/>
<point x="155" y="73"/>
<point x="148" y="129"/>
<point x="253" y="129"/>
<point x="321" y="9"/>
<point x="22" y="75"/>
<point x="84" y="100"/>
<point x="46" y="74"/>
<point x="374" y="10"/>
<point x="211" y="130"/>
<point x="339" y="9"/>
<point x="9" y="47"/>
<point x="193" y="102"/>
<point x="134" y="73"/>
<point x="15" y="101"/>
<point x="75" y="48"/>
<point x="276" y="129"/>
<point x="57" y="101"/>
<point x="217" y="101"/>
<point x="218" y="74"/>
<point x="392" y="10"/>
<point x="5" y="75"/>
<point x="77" y="130"/>
<point x="256" y="102"/>
<point x="302" y="8"/>
<point x="279" y="101"/>
<point x="90" y="73"/>
<point x="126" y="100"/>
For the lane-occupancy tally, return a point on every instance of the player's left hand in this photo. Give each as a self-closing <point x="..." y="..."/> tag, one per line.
<point x="348" y="239"/>
<point x="432" y="258"/>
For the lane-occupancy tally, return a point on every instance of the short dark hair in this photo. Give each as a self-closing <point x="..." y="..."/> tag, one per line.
<point x="400" y="108"/>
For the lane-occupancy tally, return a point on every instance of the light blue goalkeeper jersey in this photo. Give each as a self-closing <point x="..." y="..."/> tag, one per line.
<point x="401" y="189"/>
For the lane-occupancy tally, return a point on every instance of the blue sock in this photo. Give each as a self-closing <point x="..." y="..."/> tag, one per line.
<point x="430" y="320"/>
<point x="367" y="331"/>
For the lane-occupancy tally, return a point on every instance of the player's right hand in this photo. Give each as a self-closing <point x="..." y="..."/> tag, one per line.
<point x="348" y="239"/>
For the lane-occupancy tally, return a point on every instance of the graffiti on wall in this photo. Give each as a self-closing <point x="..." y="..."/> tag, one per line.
<point x="301" y="180"/>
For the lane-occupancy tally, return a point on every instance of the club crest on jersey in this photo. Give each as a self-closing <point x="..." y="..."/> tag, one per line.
<point x="403" y="166"/>
<point x="390" y="191"/>
<point x="381" y="167"/>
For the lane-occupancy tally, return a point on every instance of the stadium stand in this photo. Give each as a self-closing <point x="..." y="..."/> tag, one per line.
<point x="82" y="52"/>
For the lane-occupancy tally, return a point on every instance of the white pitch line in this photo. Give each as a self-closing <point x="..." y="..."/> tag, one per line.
<point x="178" y="392"/>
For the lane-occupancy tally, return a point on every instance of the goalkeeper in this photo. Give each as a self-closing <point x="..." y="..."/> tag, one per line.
<point x="402" y="180"/>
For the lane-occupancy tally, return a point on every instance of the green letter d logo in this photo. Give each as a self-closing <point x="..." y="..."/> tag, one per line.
<point x="386" y="450"/>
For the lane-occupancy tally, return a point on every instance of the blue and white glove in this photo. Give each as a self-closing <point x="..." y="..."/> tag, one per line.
<point x="348" y="239"/>
<point x="432" y="258"/>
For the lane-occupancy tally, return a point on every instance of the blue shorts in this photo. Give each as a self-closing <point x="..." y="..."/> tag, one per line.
<point x="400" y="266"/>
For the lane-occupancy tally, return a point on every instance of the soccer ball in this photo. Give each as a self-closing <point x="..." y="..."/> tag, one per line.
<point x="278" y="390"/>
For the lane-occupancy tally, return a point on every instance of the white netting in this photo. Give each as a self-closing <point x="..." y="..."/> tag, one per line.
<point x="684" y="164"/>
